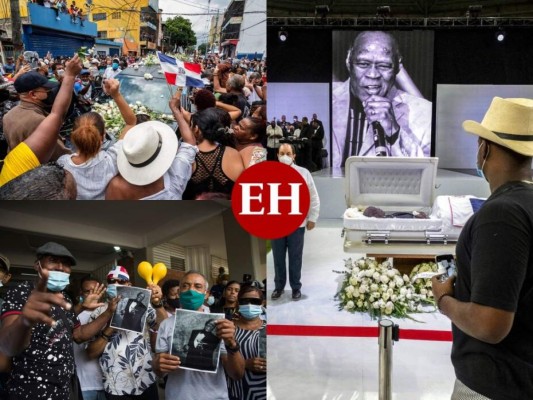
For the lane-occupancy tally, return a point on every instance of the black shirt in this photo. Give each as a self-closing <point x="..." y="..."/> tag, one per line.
<point x="495" y="269"/>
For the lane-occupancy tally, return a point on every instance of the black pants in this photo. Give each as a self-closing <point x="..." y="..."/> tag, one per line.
<point x="149" y="394"/>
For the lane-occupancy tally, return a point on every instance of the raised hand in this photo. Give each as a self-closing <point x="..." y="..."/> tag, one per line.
<point x="156" y="295"/>
<point x="111" y="86"/>
<point x="226" y="330"/>
<point x="175" y="101"/>
<point x="73" y="67"/>
<point x="40" y="302"/>
<point x="91" y="301"/>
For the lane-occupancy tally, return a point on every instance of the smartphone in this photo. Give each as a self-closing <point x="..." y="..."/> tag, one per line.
<point x="446" y="264"/>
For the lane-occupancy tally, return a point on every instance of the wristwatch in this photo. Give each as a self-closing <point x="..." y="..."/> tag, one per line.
<point x="233" y="350"/>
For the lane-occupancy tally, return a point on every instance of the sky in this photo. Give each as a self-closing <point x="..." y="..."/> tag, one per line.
<point x="196" y="11"/>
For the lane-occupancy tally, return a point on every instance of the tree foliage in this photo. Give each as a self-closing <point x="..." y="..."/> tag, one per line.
<point x="202" y="48"/>
<point x="180" y="32"/>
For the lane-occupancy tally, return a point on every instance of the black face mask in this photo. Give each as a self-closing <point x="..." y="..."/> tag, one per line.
<point x="50" y="98"/>
<point x="174" y="303"/>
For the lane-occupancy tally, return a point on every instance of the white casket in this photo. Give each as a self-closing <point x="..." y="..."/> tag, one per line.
<point x="396" y="185"/>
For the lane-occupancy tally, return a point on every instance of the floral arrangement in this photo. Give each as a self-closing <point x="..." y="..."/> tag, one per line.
<point x="148" y="76"/>
<point x="423" y="286"/>
<point x="380" y="290"/>
<point x="113" y="119"/>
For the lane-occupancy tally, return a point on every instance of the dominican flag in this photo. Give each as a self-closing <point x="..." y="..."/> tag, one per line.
<point x="180" y="73"/>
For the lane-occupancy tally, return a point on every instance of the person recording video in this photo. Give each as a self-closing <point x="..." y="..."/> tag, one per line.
<point x="379" y="111"/>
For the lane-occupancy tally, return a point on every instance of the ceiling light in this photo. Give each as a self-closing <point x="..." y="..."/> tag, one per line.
<point x="500" y="35"/>
<point x="117" y="248"/>
<point x="283" y="35"/>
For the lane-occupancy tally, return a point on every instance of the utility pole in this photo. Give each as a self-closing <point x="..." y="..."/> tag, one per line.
<point x="16" y="27"/>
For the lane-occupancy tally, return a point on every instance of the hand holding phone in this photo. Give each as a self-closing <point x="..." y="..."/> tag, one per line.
<point x="446" y="266"/>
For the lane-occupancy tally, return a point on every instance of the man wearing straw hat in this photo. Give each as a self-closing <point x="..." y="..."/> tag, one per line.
<point x="490" y="302"/>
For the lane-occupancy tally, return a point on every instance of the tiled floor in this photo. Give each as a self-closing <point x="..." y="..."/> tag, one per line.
<point x="305" y="366"/>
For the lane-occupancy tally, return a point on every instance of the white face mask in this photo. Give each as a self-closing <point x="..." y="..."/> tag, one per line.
<point x="285" y="159"/>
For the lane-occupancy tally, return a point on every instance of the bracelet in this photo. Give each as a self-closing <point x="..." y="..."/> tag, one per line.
<point x="233" y="350"/>
<point x="106" y="337"/>
<point x="440" y="299"/>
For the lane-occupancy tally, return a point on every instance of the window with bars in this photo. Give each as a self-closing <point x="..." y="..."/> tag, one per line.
<point x="102" y="34"/>
<point x="216" y="263"/>
<point x="116" y="15"/>
<point x="99" y="17"/>
<point x="177" y="263"/>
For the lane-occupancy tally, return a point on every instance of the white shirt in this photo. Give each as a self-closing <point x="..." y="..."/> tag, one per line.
<point x="89" y="371"/>
<point x="314" y="207"/>
<point x="109" y="73"/>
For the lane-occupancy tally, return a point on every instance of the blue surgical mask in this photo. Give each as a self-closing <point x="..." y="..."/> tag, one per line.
<point x="114" y="66"/>
<point x="210" y="300"/>
<point x="250" y="311"/>
<point x="478" y="169"/>
<point x="57" y="281"/>
<point x="111" y="290"/>
<point x="191" y="300"/>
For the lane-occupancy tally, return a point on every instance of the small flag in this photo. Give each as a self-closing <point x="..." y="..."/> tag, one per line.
<point x="180" y="73"/>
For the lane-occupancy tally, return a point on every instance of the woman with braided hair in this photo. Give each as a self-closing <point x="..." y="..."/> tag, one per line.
<point x="217" y="166"/>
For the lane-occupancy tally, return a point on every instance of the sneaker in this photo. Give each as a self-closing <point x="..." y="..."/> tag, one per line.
<point x="296" y="294"/>
<point x="276" y="294"/>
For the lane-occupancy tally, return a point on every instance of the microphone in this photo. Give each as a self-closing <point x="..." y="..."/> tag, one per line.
<point x="379" y="139"/>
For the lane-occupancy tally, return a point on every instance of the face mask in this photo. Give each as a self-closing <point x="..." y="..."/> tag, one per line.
<point x="50" y="97"/>
<point x="111" y="290"/>
<point x="115" y="66"/>
<point x="80" y="299"/>
<point x="174" y="303"/>
<point x="285" y="159"/>
<point x="57" y="281"/>
<point x="250" y="311"/>
<point x="191" y="300"/>
<point x="60" y="72"/>
<point x="210" y="300"/>
<point x="480" y="170"/>
<point x="224" y="283"/>
<point x="85" y="83"/>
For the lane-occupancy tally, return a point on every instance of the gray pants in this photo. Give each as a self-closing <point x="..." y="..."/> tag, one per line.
<point x="463" y="392"/>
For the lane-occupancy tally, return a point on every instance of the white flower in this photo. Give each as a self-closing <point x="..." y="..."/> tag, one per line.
<point x="376" y="276"/>
<point x="391" y="273"/>
<point x="419" y="308"/>
<point x="359" y="303"/>
<point x="350" y="305"/>
<point x="394" y="298"/>
<point x="392" y="284"/>
<point x="384" y="279"/>
<point x="423" y="291"/>
<point x="405" y="278"/>
<point x="363" y="289"/>
<point x="385" y="296"/>
<point x="349" y="289"/>
<point x="374" y="287"/>
<point x="353" y="281"/>
<point x="375" y="304"/>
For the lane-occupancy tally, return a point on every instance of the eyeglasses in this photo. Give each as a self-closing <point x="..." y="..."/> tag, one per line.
<point x="112" y="281"/>
<point x="250" y="300"/>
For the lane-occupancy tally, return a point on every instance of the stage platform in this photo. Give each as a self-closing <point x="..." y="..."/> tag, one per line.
<point x="330" y="186"/>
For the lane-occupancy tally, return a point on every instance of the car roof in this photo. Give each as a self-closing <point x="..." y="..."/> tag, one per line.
<point x="143" y="69"/>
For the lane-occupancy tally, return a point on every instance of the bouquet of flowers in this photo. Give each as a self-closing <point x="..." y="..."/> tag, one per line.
<point x="114" y="121"/>
<point x="379" y="289"/>
<point x="423" y="286"/>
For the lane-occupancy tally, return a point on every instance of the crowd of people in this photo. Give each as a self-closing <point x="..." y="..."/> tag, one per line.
<point x="221" y="130"/>
<point x="60" y="345"/>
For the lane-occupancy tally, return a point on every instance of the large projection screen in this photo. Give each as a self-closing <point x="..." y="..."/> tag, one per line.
<point x="455" y="148"/>
<point x="370" y="91"/>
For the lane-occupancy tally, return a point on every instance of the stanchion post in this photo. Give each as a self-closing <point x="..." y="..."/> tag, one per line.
<point x="388" y="333"/>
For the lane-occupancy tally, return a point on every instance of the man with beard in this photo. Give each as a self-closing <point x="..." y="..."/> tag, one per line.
<point x="37" y="95"/>
<point x="371" y="106"/>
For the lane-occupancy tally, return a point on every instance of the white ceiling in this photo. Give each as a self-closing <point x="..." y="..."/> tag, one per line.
<point x="91" y="229"/>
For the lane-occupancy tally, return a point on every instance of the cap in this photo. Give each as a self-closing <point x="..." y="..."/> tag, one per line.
<point x="84" y="72"/>
<point x="5" y="261"/>
<point x="119" y="273"/>
<point x="31" y="81"/>
<point x="55" y="249"/>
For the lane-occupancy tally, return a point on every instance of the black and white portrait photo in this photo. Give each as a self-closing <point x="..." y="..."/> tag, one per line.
<point x="195" y="342"/>
<point x="130" y="314"/>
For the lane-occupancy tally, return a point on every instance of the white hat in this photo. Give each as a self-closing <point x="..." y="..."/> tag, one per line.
<point x="148" y="151"/>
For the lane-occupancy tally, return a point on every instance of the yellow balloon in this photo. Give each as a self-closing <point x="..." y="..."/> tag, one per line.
<point x="145" y="271"/>
<point x="159" y="272"/>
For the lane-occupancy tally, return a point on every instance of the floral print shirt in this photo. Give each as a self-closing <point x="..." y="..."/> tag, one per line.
<point x="127" y="358"/>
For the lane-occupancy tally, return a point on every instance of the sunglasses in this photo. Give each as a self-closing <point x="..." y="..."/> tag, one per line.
<point x="250" y="300"/>
<point x="119" y="281"/>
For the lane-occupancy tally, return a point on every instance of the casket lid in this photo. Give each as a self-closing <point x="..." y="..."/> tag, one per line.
<point x="391" y="183"/>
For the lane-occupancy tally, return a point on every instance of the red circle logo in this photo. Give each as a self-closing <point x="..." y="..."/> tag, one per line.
<point x="270" y="200"/>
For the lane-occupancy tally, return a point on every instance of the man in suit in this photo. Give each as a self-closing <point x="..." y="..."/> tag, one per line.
<point x="202" y="345"/>
<point x="134" y="313"/>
